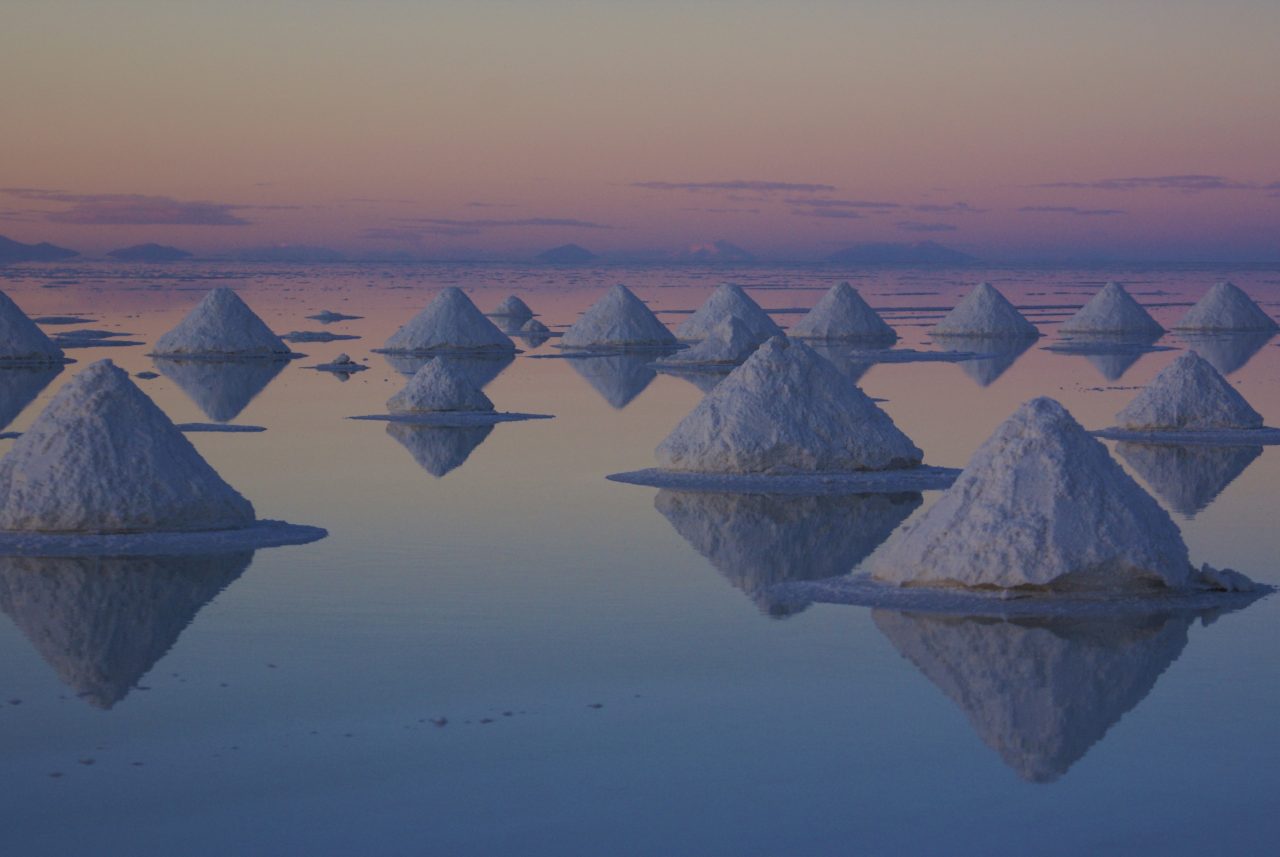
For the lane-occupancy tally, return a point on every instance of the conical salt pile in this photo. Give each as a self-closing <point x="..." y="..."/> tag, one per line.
<point x="617" y="320"/>
<point x="513" y="308"/>
<point x="102" y="458"/>
<point x="729" y="342"/>
<point x="451" y="322"/>
<point x="1112" y="311"/>
<point x="533" y="327"/>
<point x="221" y="325"/>
<point x="985" y="312"/>
<point x="1041" y="503"/>
<point x="1188" y="395"/>
<point x="20" y="340"/>
<point x="786" y="410"/>
<point x="842" y="314"/>
<point x="438" y="387"/>
<point x="1226" y="307"/>
<point x="728" y="300"/>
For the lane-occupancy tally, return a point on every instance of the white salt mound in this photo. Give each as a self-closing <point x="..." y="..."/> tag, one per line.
<point x="727" y="301"/>
<point x="451" y="322"/>
<point x="842" y="314"/>
<point x="438" y="386"/>
<point x="514" y="308"/>
<point x="20" y="340"/>
<point x="985" y="312"/>
<point x="729" y="342"/>
<point x="534" y="327"/>
<point x="618" y="320"/>
<point x="1043" y="504"/>
<point x="223" y="325"/>
<point x="102" y="458"/>
<point x="786" y="410"/>
<point x="1112" y="310"/>
<point x="1225" y="307"/>
<point x="1188" y="395"/>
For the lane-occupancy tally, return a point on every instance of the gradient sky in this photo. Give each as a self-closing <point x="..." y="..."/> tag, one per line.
<point x="1014" y="130"/>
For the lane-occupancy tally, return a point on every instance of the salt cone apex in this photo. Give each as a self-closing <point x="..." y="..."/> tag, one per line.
<point x="1188" y="395"/>
<point x="451" y="322"/>
<point x="437" y="386"/>
<point x="729" y="342"/>
<point x="985" y="312"/>
<point x="842" y="314"/>
<point x="1112" y="310"/>
<point x="21" y="341"/>
<point x="618" y="320"/>
<point x="727" y="301"/>
<point x="786" y="410"/>
<point x="221" y="325"/>
<point x="102" y="458"/>
<point x="1226" y="307"/>
<point x="513" y="308"/>
<point x="1040" y="504"/>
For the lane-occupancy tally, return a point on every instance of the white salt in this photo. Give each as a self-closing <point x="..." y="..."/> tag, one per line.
<point x="1114" y="311"/>
<point x="987" y="313"/>
<point x="729" y="342"/>
<point x="533" y="327"/>
<point x="221" y="325"/>
<point x="513" y="308"/>
<point x="21" y="341"/>
<point x="617" y="320"/>
<point x="727" y="301"/>
<point x="451" y="322"/>
<point x="1188" y="395"/>
<point x="842" y="314"/>
<point x="437" y="386"/>
<point x="1226" y="307"/>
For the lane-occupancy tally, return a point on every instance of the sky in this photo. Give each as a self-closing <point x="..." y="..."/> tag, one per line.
<point x="1030" y="130"/>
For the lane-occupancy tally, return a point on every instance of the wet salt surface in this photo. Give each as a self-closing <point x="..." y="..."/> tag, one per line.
<point x="286" y="699"/>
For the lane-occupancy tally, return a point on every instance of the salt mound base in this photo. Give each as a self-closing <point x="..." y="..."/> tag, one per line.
<point x="728" y="301"/>
<point x="618" y="320"/>
<point x="21" y="341"/>
<point x="729" y="342"/>
<point x="1041" y="504"/>
<point x="987" y="313"/>
<point x="1112" y="311"/>
<point x="1188" y="395"/>
<point x="451" y="322"/>
<point x="221" y="325"/>
<point x="786" y="410"/>
<point x="1225" y="307"/>
<point x="102" y="458"/>
<point x="437" y="387"/>
<point x="341" y="365"/>
<point x="513" y="308"/>
<point x="842" y="314"/>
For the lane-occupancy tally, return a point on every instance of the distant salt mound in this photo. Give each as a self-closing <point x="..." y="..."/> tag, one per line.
<point x="728" y="301"/>
<point x="618" y="320"/>
<point x="221" y="325"/>
<point x="987" y="313"/>
<point x="1041" y="504"/>
<point x="451" y="322"/>
<point x="786" y="410"/>
<point x="1112" y="311"/>
<point x="437" y="387"/>
<point x="21" y="342"/>
<point x="1225" y="307"/>
<point x="842" y="314"/>
<point x="533" y="327"/>
<point x="513" y="308"/>
<point x="730" y="342"/>
<point x="1188" y="395"/>
<point x="102" y="458"/>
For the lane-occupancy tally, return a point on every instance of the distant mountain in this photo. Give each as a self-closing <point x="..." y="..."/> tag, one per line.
<point x="288" y="253"/>
<point x="16" y="251"/>
<point x="567" y="254"/>
<point x="149" y="253"/>
<point x="717" y="251"/>
<point x="919" y="253"/>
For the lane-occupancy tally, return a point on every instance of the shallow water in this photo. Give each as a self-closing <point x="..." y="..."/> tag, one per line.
<point x="615" y="675"/>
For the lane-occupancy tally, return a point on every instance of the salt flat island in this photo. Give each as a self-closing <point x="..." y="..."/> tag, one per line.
<point x="440" y="395"/>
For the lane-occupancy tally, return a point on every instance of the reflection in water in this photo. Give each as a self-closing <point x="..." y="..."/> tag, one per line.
<point x="1111" y="355"/>
<point x="19" y="388"/>
<point x="103" y="622"/>
<point x="844" y="357"/>
<point x="439" y="449"/>
<point x="530" y="339"/>
<point x="618" y="378"/>
<point x="1188" y="478"/>
<point x="1227" y="351"/>
<point x="985" y="370"/>
<point x="759" y="540"/>
<point x="221" y="388"/>
<point x="704" y="381"/>
<point x="479" y="370"/>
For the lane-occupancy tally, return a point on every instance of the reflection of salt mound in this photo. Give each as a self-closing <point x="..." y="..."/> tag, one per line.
<point x="999" y="355"/>
<point x="514" y="309"/>
<point x="220" y="388"/>
<point x="1040" y="692"/>
<point x="103" y="622"/>
<point x="438" y="387"/>
<point x="759" y="540"/>
<point x="786" y="410"/>
<point x="221" y="324"/>
<point x="730" y="341"/>
<point x="102" y="458"/>
<point x="617" y="320"/>
<point x="842" y="314"/>
<point x="451" y="322"/>
<point x="438" y="449"/>
<point x="479" y="370"/>
<point x="534" y="332"/>
<point x="1111" y="354"/>
<point x="1114" y="311"/>
<point x="20" y="340"/>
<point x="1188" y="478"/>
<point x="1041" y="503"/>
<point x="987" y="313"/>
<point x="851" y="362"/>
<point x="19" y="388"/>
<point x="728" y="301"/>
<point x="618" y="378"/>
<point x="1188" y="395"/>
<point x="1226" y="307"/>
<point x="1227" y="352"/>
